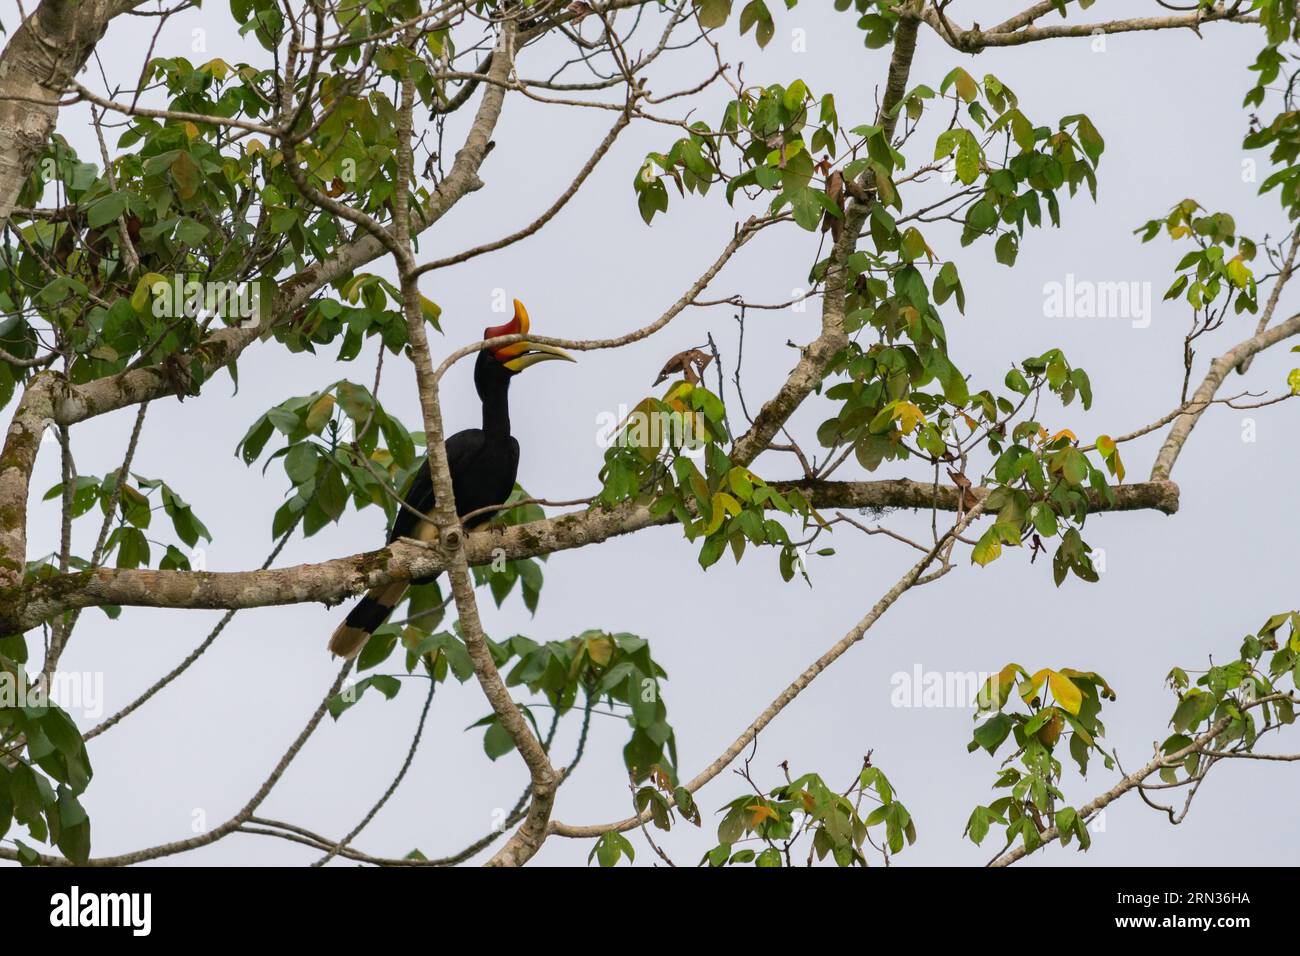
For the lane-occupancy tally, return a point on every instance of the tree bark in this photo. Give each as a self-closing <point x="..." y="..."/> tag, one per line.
<point x="46" y="52"/>
<point x="332" y="581"/>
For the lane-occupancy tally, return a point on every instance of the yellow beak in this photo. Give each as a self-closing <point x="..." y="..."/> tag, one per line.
<point x="533" y="353"/>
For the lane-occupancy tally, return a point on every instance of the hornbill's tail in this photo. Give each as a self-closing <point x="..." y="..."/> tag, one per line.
<point x="364" y="618"/>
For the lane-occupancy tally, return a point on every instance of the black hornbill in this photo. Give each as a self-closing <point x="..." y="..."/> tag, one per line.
<point x="483" y="463"/>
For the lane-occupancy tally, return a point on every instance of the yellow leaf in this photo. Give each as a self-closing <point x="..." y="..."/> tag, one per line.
<point x="715" y="521"/>
<point x="679" y="391"/>
<point x="143" y="289"/>
<point x="998" y="687"/>
<point x="1029" y="689"/>
<point x="759" y="813"/>
<point x="723" y="501"/>
<point x="1065" y="691"/>
<point x="967" y="88"/>
<point x="987" y="550"/>
<point x="432" y="311"/>
<point x="600" y="650"/>
<point x="352" y="290"/>
<point x="909" y="416"/>
<point x="1238" y="272"/>
<point x="217" y="67"/>
<point x="322" y="410"/>
<point x="133" y="496"/>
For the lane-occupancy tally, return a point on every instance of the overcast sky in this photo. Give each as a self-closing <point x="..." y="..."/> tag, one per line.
<point x="1175" y="591"/>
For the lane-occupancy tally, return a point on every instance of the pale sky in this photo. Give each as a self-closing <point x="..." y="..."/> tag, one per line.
<point x="1175" y="591"/>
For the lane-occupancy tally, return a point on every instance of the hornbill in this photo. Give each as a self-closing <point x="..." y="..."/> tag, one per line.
<point x="483" y="463"/>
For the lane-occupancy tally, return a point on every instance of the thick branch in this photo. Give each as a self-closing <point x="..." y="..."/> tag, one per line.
<point x="525" y="841"/>
<point x="331" y="581"/>
<point x="39" y="61"/>
<point x="1021" y="32"/>
<point x="22" y="442"/>
<point x="817" y="355"/>
<point x="1204" y="395"/>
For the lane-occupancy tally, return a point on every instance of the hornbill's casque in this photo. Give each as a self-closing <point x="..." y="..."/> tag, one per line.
<point x="483" y="463"/>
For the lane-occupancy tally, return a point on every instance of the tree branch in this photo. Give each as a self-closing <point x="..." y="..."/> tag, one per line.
<point x="331" y="581"/>
<point x="1132" y="781"/>
<point x="817" y="355"/>
<point x="1021" y="32"/>
<point x="1204" y="395"/>
<point x="45" y="52"/>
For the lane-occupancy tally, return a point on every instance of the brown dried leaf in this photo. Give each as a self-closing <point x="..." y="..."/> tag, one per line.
<point x="690" y="364"/>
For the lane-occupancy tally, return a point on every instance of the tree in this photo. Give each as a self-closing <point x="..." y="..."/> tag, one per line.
<point x="245" y="204"/>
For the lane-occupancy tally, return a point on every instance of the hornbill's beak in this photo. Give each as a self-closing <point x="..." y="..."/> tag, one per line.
<point x="521" y="355"/>
<point x="536" y="352"/>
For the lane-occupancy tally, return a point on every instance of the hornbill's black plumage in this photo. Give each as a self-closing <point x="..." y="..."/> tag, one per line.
<point x="483" y="463"/>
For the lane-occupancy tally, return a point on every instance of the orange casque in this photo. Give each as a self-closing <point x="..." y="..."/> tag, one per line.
<point x="516" y="326"/>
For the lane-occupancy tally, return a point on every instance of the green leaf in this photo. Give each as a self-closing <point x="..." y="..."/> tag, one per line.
<point x="713" y="13"/>
<point x="1044" y="519"/>
<point x="74" y="827"/>
<point x="968" y="158"/>
<point x="1006" y="248"/>
<point x="105" y="210"/>
<point x="977" y="827"/>
<point x="190" y="232"/>
<point x="755" y="14"/>
<point x="497" y="741"/>
<point x="992" y="732"/>
<point x="300" y="463"/>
